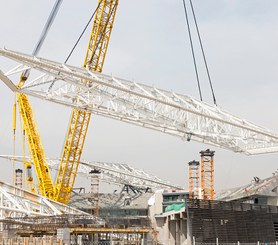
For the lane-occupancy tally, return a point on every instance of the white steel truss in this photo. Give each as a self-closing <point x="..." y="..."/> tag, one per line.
<point x="116" y="173"/>
<point x="258" y="187"/>
<point x="139" y="104"/>
<point x="16" y="203"/>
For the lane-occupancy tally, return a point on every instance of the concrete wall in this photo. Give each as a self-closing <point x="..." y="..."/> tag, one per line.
<point x="272" y="201"/>
<point x="172" y="228"/>
<point x="155" y="206"/>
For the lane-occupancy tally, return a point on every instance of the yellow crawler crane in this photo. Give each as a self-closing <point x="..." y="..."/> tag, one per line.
<point x="94" y="60"/>
<point x="36" y="149"/>
<point x="96" y="51"/>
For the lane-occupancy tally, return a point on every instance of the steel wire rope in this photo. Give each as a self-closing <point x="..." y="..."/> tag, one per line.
<point x="73" y="48"/>
<point x="78" y="40"/>
<point x="192" y="50"/>
<point x="203" y="52"/>
<point x="45" y="30"/>
<point x="48" y="24"/>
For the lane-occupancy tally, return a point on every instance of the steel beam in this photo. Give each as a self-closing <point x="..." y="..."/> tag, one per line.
<point x="117" y="173"/>
<point x="139" y="104"/>
<point x="16" y="203"/>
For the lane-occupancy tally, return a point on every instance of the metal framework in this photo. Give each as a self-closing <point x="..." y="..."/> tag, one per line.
<point x="139" y="104"/>
<point x="194" y="179"/>
<point x="16" y="202"/>
<point x="78" y="126"/>
<point x="115" y="173"/>
<point x="18" y="178"/>
<point x="207" y="174"/>
<point x="36" y="149"/>
<point x="261" y="187"/>
<point x="95" y="179"/>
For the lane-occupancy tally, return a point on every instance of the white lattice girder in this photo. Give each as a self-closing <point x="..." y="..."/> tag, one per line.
<point x="16" y="202"/>
<point x="140" y="104"/>
<point x="113" y="173"/>
<point x="261" y="187"/>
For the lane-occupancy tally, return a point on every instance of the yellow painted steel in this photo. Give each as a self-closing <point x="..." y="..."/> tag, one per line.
<point x="35" y="147"/>
<point x="14" y="117"/>
<point x="95" y="55"/>
<point x="14" y="136"/>
<point x="75" y="138"/>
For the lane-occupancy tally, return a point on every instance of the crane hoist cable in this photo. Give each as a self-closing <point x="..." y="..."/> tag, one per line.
<point x="192" y="50"/>
<point x="77" y="130"/>
<point x="78" y="40"/>
<point x="202" y="50"/>
<point x="85" y="28"/>
<point x="44" y="33"/>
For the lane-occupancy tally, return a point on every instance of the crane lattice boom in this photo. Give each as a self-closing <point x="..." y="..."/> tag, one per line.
<point x="79" y="122"/>
<point x="45" y="183"/>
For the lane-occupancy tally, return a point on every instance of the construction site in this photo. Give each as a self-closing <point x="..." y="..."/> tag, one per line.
<point x="70" y="200"/>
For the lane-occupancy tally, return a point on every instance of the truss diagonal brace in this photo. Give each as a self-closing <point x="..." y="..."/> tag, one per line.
<point x="146" y="106"/>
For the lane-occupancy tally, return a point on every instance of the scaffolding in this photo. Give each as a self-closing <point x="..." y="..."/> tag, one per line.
<point x="72" y="229"/>
<point x="18" y="178"/>
<point x="95" y="178"/>
<point x="207" y="174"/>
<point x="194" y="179"/>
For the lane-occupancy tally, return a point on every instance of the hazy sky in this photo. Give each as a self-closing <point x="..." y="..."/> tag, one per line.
<point x="150" y="44"/>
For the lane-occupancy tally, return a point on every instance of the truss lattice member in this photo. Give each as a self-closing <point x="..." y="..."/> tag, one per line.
<point x="194" y="179"/>
<point x="207" y="174"/>
<point x="95" y="178"/>
<point x="18" y="178"/>
<point x="142" y="105"/>
<point x="35" y="146"/>
<point x="75" y="138"/>
<point x="78" y="126"/>
<point x="34" y="142"/>
<point x="119" y="174"/>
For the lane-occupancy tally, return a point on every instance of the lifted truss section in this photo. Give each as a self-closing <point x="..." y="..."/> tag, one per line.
<point x="139" y="104"/>
<point x="117" y="173"/>
<point x="258" y="187"/>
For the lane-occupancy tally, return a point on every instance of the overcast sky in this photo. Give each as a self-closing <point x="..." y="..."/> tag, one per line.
<point x="150" y="44"/>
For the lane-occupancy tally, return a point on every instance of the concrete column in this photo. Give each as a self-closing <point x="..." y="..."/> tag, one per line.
<point x="172" y="229"/>
<point x="143" y="239"/>
<point x="111" y="240"/>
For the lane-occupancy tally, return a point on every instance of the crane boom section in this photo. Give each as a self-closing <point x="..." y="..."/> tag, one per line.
<point x="78" y="126"/>
<point x="100" y="35"/>
<point x="35" y="147"/>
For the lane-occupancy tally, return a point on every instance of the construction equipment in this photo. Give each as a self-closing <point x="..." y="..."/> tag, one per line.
<point x="94" y="199"/>
<point x="30" y="127"/>
<point x="95" y="56"/>
<point x="36" y="149"/>
<point x="139" y="104"/>
<point x="207" y="174"/>
<point x="94" y="60"/>
<point x="118" y="174"/>
<point x="194" y="179"/>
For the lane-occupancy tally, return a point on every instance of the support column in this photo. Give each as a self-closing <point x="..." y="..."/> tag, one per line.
<point x="207" y="174"/>
<point x="18" y="177"/>
<point x="194" y="179"/>
<point x="95" y="178"/>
